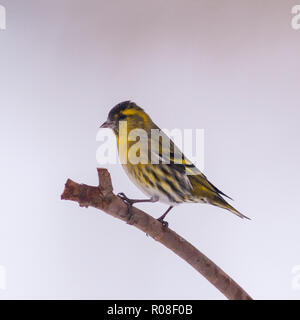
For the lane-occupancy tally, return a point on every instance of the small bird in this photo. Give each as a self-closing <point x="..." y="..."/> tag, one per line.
<point x="171" y="178"/>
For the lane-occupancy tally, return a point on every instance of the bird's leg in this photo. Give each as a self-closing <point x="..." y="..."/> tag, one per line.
<point x="133" y="201"/>
<point x="161" y="219"/>
<point x="130" y="202"/>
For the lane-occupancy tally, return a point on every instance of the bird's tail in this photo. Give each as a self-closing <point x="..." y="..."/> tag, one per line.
<point x="220" y="202"/>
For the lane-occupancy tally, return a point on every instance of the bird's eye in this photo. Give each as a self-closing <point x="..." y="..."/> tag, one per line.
<point x="122" y="116"/>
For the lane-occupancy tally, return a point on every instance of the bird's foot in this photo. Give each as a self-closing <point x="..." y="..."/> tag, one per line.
<point x="123" y="196"/>
<point x="164" y="223"/>
<point x="132" y="201"/>
<point x="161" y="219"/>
<point x="129" y="203"/>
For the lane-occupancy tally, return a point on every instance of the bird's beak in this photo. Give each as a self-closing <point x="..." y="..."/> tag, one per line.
<point x="106" y="124"/>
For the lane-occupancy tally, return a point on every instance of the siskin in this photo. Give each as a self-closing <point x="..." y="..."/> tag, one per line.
<point x="165" y="174"/>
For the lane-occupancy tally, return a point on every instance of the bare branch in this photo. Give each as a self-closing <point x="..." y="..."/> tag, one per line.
<point x="103" y="198"/>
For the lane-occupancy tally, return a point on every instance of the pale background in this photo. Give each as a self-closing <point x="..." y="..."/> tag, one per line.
<point x="230" y="67"/>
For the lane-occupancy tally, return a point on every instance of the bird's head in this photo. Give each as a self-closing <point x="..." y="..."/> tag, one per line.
<point x="128" y="111"/>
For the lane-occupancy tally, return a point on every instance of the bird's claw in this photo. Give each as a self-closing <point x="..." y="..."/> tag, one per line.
<point x="164" y="223"/>
<point x="130" y="202"/>
<point x="123" y="196"/>
<point x="129" y="206"/>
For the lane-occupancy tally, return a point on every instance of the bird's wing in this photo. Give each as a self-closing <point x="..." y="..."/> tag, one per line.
<point x="169" y="153"/>
<point x="163" y="151"/>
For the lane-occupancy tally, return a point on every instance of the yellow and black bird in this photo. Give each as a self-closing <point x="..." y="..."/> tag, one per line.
<point x="166" y="175"/>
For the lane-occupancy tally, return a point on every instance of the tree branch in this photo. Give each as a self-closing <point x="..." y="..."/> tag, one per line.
<point x="103" y="198"/>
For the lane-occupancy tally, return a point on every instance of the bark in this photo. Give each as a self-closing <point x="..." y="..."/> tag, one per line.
<point x="103" y="198"/>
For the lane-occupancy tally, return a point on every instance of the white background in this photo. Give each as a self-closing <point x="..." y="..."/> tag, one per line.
<point x="230" y="67"/>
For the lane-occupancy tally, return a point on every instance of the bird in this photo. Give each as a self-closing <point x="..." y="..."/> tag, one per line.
<point x="162" y="173"/>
